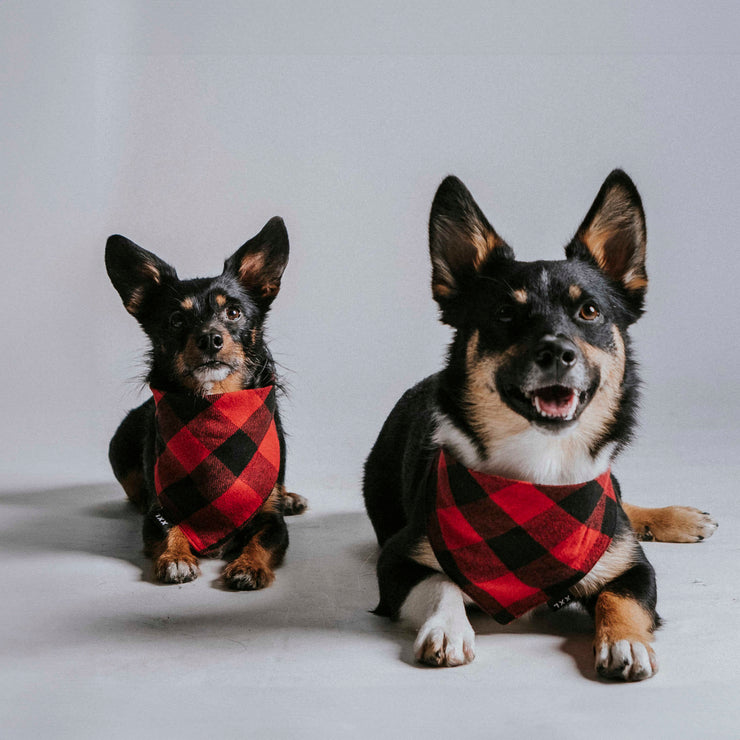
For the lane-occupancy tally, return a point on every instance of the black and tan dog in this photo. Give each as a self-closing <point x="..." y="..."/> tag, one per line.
<point x="540" y="385"/>
<point x="207" y="339"/>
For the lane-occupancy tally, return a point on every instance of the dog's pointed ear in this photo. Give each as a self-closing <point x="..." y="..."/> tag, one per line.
<point x="613" y="236"/>
<point x="460" y="240"/>
<point x="259" y="263"/>
<point x="135" y="273"/>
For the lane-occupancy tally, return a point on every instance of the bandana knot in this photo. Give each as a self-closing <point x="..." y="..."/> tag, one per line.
<point x="510" y="545"/>
<point x="217" y="459"/>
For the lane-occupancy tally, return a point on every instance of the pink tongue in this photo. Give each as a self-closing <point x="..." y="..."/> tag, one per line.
<point x="555" y="403"/>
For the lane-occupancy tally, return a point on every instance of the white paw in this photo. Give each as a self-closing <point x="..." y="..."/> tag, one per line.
<point x="445" y="644"/>
<point x="178" y="571"/>
<point x="629" y="661"/>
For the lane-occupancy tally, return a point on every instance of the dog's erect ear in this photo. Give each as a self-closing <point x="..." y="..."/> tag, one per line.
<point x="460" y="240"/>
<point x="613" y="236"/>
<point x="259" y="264"/>
<point x="134" y="272"/>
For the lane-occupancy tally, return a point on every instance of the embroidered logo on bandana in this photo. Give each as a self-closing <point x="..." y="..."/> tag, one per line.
<point x="510" y="545"/>
<point x="217" y="460"/>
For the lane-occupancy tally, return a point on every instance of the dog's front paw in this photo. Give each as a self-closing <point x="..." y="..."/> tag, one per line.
<point x="625" y="660"/>
<point x="294" y="503"/>
<point x="241" y="576"/>
<point x="679" y="524"/>
<point x="444" y="645"/>
<point x="181" y="569"/>
<point x="670" y="523"/>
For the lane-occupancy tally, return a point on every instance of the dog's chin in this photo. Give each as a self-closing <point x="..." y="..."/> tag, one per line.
<point x="553" y="409"/>
<point x="212" y="372"/>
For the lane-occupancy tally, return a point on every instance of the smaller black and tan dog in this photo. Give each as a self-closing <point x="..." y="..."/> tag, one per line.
<point x="204" y="490"/>
<point x="490" y="481"/>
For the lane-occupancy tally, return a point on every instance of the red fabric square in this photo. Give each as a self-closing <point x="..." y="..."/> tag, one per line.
<point x="189" y="451"/>
<point x="522" y="501"/>
<point x="508" y="589"/>
<point x="456" y="530"/>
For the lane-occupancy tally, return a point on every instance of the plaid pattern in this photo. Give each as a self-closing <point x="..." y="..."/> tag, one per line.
<point x="511" y="545"/>
<point x="217" y="460"/>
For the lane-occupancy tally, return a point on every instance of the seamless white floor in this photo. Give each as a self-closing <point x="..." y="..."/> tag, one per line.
<point x="92" y="648"/>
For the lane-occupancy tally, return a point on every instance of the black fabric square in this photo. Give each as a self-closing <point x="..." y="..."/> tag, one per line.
<point x="183" y="498"/>
<point x="234" y="450"/>
<point x="466" y="488"/>
<point x="581" y="503"/>
<point x="516" y="548"/>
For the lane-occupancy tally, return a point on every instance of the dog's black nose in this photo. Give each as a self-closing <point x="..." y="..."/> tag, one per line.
<point x="555" y="352"/>
<point x="210" y="342"/>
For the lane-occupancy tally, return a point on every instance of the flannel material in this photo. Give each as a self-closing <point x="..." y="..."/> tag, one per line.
<point x="511" y="545"/>
<point x="217" y="460"/>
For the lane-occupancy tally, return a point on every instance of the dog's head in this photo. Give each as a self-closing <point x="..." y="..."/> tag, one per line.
<point x="541" y="344"/>
<point x="206" y="334"/>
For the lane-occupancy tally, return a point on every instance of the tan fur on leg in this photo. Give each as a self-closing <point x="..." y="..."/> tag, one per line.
<point x="174" y="561"/>
<point x="252" y="570"/>
<point x="622" y="640"/>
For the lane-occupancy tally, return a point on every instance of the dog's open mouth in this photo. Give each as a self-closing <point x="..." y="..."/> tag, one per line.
<point x="555" y="402"/>
<point x="550" y="405"/>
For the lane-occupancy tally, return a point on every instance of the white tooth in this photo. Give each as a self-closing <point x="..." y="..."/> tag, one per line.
<point x="537" y="405"/>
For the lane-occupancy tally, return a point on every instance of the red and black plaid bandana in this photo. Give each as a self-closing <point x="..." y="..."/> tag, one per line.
<point x="217" y="460"/>
<point x="511" y="545"/>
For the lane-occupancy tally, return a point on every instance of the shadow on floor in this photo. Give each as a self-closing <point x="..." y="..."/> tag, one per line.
<point x="95" y="519"/>
<point x="327" y="582"/>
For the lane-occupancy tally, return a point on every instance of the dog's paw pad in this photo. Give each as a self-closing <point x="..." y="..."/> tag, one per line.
<point x="247" y="578"/>
<point x="294" y="503"/>
<point x="625" y="660"/>
<point x="444" y="647"/>
<point x="180" y="570"/>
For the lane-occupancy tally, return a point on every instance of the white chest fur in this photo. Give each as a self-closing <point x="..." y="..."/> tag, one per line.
<point x="532" y="455"/>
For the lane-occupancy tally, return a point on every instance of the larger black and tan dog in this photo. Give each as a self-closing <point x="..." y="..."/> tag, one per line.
<point x="540" y="386"/>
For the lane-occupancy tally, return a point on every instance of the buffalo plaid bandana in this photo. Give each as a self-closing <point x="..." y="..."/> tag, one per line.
<point x="217" y="460"/>
<point x="511" y="545"/>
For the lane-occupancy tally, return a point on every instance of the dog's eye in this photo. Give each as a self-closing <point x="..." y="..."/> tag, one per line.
<point x="177" y="320"/>
<point x="505" y="312"/>
<point x="233" y="313"/>
<point x="589" y="311"/>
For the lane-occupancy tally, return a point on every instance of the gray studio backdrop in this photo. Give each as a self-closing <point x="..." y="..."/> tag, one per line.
<point x="186" y="126"/>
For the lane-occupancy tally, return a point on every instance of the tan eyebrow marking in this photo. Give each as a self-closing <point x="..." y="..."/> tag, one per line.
<point x="520" y="296"/>
<point x="187" y="304"/>
<point x="575" y="292"/>
<point x="221" y="300"/>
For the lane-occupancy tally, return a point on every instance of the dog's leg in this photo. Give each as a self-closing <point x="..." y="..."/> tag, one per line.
<point x="126" y="453"/>
<point x="173" y="559"/>
<point x="428" y="601"/>
<point x="266" y="543"/>
<point x="624" y="616"/>
<point x="135" y="490"/>
<point x="670" y="523"/>
<point x="435" y="608"/>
